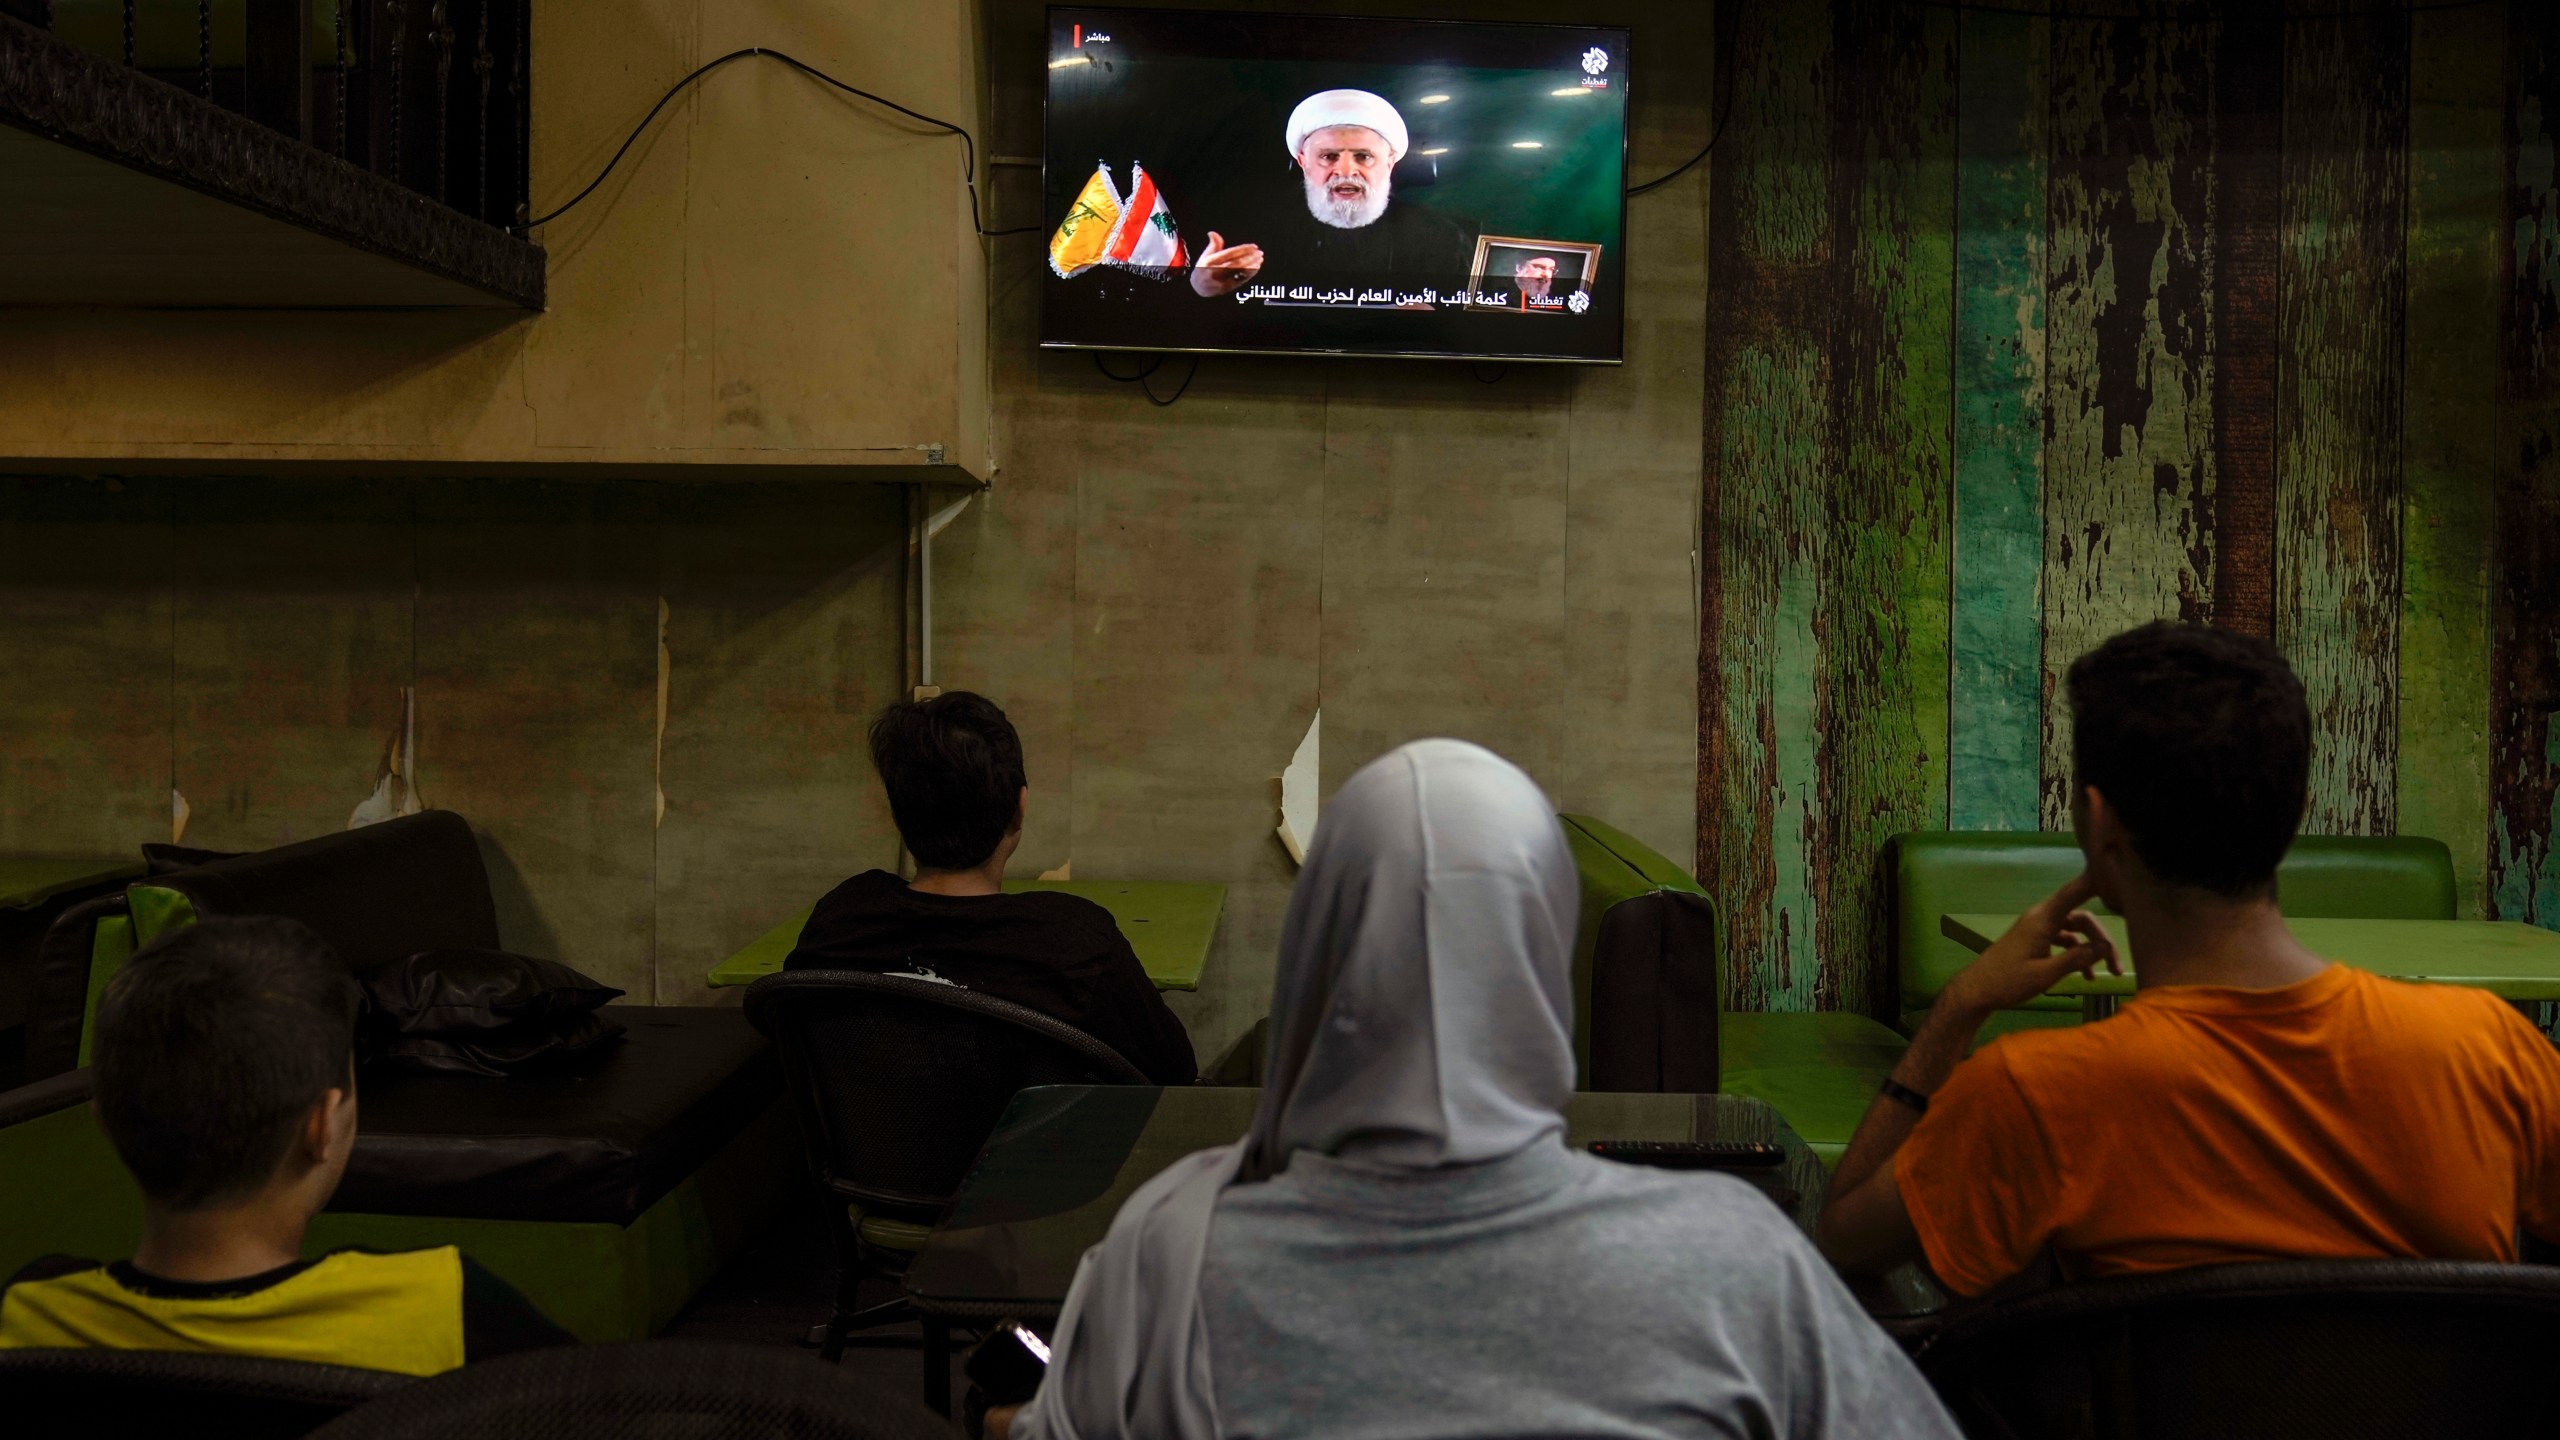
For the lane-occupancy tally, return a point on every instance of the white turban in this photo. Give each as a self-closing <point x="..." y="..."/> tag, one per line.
<point x="1328" y="108"/>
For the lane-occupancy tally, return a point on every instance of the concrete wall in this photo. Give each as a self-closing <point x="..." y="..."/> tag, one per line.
<point x="777" y="274"/>
<point x="1162" y="597"/>
<point x="551" y="660"/>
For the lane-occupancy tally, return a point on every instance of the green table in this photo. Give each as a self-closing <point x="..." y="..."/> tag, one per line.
<point x="27" y="881"/>
<point x="1169" y="923"/>
<point x="2512" y="961"/>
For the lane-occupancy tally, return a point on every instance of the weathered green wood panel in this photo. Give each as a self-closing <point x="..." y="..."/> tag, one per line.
<point x="1768" y="286"/>
<point x="2339" y="399"/>
<point x="2524" y="713"/>
<point x="1996" y="622"/>
<point x="1883" y="713"/>
<point x="2248" y="272"/>
<point x="2129" y="471"/>
<point x="2454" y="277"/>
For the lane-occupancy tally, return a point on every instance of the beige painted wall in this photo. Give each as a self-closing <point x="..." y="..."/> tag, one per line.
<point x="778" y="274"/>
<point x="1162" y="597"/>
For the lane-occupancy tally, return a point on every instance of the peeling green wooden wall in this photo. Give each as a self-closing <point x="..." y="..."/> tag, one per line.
<point x="2024" y="330"/>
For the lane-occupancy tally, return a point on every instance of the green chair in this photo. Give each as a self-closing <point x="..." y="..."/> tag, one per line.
<point x="1648" y="992"/>
<point x="1942" y="872"/>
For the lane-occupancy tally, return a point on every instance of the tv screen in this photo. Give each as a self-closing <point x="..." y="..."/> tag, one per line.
<point x="1299" y="184"/>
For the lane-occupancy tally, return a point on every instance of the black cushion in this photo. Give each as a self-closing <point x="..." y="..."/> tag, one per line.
<point x="378" y="894"/>
<point x="462" y="992"/>
<point x="529" y="1047"/>
<point x="600" y="1145"/>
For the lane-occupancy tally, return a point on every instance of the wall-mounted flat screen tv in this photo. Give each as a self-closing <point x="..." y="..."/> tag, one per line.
<point x="1319" y="184"/>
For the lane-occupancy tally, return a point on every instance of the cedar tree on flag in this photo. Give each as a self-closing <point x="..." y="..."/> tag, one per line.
<point x="1144" y="239"/>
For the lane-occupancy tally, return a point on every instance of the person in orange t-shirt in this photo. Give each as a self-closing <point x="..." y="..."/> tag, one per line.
<point x="2252" y="1101"/>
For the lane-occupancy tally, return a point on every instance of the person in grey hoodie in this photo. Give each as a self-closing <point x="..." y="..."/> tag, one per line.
<point x="1402" y="1245"/>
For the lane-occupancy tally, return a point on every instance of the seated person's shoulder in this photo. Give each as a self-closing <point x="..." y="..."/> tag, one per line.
<point x="497" y="1319"/>
<point x="870" y="890"/>
<point x="2418" y="1019"/>
<point x="1701" y="1215"/>
<point x="1066" y="911"/>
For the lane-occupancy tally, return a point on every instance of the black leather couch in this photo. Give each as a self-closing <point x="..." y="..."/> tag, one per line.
<point x="608" y="1195"/>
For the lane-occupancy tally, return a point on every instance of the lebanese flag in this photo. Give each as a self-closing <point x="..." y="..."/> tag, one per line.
<point x="1143" y="238"/>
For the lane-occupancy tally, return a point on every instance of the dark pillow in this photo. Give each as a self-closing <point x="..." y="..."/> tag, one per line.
<point x="464" y="994"/>
<point x="550" y="1044"/>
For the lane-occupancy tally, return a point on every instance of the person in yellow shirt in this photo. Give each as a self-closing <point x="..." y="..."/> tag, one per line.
<point x="225" y="1079"/>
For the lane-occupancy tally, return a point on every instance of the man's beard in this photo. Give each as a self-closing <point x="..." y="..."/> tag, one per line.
<point x="1347" y="214"/>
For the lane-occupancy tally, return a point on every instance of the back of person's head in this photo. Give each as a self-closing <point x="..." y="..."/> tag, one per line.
<point x="213" y="1044"/>
<point x="2200" y="740"/>
<point x="953" y="769"/>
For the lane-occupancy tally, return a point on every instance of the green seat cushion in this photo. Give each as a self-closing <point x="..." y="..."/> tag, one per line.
<point x="888" y="1232"/>
<point x="1989" y="872"/>
<point x="1818" y="1068"/>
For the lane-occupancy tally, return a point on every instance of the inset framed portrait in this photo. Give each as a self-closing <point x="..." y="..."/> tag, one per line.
<point x="1539" y="277"/>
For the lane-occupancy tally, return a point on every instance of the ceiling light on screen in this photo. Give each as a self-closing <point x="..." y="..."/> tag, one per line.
<point x="1528" y="144"/>
<point x="1433" y="100"/>
<point x="1434" y="150"/>
<point x="1570" y="90"/>
<point x="1064" y="61"/>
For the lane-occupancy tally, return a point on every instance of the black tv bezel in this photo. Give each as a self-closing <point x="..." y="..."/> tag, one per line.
<point x="1626" y="133"/>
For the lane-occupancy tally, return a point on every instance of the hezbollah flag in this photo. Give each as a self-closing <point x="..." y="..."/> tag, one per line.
<point x="1077" y="247"/>
<point x="1143" y="239"/>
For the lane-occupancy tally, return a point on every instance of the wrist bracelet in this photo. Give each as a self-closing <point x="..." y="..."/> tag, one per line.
<point x="1900" y="1093"/>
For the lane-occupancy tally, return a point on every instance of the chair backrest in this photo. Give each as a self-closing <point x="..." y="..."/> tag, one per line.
<point x="38" y="893"/>
<point x="1646" y="973"/>
<point x="377" y="894"/>
<point x="2338" y="1349"/>
<point x="1939" y="872"/>
<point x="90" y="1393"/>
<point x="899" y="1080"/>
<point x="697" y="1389"/>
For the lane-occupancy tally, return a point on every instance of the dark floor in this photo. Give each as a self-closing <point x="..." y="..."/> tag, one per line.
<point x="782" y="1285"/>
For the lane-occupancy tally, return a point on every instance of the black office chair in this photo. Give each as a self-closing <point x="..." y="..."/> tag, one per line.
<point x="2338" y="1349"/>
<point x="84" y="1394"/>
<point x="697" y="1389"/>
<point x="898" y="1081"/>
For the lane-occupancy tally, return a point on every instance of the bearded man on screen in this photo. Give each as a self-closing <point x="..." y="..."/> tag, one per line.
<point x="1343" y="226"/>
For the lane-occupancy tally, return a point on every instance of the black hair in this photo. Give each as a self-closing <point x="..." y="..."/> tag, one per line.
<point x="212" y="1045"/>
<point x="953" y="769"/>
<point x="2201" y="740"/>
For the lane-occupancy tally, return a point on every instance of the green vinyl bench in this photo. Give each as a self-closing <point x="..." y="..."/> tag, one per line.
<point x="1941" y="873"/>
<point x="1648" y="1002"/>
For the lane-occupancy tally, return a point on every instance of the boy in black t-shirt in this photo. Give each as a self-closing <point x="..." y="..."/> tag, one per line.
<point x="225" y="1079"/>
<point x="953" y="768"/>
